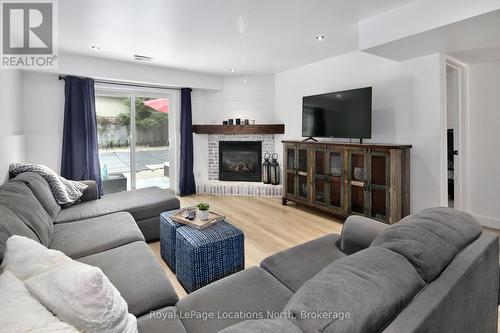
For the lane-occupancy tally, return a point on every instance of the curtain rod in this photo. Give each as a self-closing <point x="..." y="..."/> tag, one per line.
<point x="121" y="83"/>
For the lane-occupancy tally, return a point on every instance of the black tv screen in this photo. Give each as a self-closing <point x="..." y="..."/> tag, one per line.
<point x="341" y="114"/>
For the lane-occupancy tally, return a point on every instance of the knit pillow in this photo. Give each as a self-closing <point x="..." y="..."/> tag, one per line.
<point x="79" y="294"/>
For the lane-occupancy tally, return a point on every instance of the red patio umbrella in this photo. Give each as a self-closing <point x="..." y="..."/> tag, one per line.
<point x="159" y="104"/>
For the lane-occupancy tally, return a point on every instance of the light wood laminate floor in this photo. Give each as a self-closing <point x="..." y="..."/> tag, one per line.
<point x="269" y="227"/>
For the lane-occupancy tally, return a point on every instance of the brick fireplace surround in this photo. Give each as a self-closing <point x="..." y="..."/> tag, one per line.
<point x="216" y="187"/>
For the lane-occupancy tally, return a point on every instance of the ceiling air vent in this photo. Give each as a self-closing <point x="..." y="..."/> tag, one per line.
<point x="138" y="57"/>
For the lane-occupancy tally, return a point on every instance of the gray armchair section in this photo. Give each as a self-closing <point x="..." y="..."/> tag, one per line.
<point x="358" y="233"/>
<point x="91" y="193"/>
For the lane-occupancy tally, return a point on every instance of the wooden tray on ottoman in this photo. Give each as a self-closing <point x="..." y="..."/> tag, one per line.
<point x="213" y="217"/>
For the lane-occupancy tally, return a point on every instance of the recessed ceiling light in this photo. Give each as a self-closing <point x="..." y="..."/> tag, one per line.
<point x="138" y="57"/>
<point x="320" y="37"/>
<point x="95" y="47"/>
<point x="245" y="81"/>
<point x="232" y="70"/>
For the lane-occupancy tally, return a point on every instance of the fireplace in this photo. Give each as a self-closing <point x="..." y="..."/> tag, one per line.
<point x="240" y="161"/>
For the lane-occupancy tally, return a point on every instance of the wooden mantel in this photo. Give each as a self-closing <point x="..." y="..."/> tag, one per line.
<point x="240" y="129"/>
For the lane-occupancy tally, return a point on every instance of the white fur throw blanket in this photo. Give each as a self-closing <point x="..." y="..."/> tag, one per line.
<point x="66" y="192"/>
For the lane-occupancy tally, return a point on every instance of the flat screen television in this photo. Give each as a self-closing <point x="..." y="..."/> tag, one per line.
<point x="341" y="114"/>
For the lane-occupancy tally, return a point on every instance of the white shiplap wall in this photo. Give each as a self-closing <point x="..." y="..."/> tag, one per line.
<point x="245" y="97"/>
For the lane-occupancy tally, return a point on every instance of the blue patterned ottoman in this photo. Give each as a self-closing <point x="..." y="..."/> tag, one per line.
<point x="168" y="229"/>
<point x="204" y="256"/>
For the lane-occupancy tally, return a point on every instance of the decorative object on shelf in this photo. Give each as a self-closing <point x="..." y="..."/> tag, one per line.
<point x="266" y="169"/>
<point x="203" y="211"/>
<point x="337" y="172"/>
<point x="230" y="121"/>
<point x="252" y="122"/>
<point x="275" y="169"/>
<point x="246" y="122"/>
<point x="224" y="122"/>
<point x="359" y="173"/>
<point x="241" y="129"/>
<point x="238" y="121"/>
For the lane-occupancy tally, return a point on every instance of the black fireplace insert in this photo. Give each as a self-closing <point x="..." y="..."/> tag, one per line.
<point x="240" y="161"/>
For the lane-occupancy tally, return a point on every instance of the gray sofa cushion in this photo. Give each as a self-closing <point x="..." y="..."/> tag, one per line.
<point x="161" y="321"/>
<point x="42" y="192"/>
<point x="263" y="326"/>
<point x="359" y="293"/>
<point x="135" y="272"/>
<point x="298" y="264"/>
<point x="18" y="197"/>
<point x="359" y="232"/>
<point x="10" y="224"/>
<point x="431" y="238"/>
<point x="83" y="238"/>
<point x="141" y="203"/>
<point x="91" y="192"/>
<point x="253" y="291"/>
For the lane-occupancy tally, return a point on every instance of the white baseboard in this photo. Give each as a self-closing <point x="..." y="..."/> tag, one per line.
<point x="486" y="221"/>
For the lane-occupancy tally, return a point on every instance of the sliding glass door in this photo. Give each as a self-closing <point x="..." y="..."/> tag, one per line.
<point x="151" y="143"/>
<point x="134" y="143"/>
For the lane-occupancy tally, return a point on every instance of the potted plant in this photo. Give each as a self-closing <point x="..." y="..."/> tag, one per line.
<point x="203" y="211"/>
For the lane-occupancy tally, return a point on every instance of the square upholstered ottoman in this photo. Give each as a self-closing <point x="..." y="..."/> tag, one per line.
<point x="168" y="229"/>
<point x="204" y="256"/>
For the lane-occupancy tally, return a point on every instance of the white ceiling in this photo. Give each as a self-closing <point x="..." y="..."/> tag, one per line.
<point x="252" y="36"/>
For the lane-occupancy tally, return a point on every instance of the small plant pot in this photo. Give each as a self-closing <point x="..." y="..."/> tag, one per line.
<point x="202" y="214"/>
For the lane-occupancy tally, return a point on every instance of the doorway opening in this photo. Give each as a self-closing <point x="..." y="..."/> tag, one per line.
<point x="456" y="134"/>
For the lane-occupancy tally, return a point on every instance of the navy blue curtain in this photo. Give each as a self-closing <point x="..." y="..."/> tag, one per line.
<point x="187" y="185"/>
<point x="80" y="151"/>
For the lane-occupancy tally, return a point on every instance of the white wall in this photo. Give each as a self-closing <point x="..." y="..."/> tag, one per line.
<point x="43" y="116"/>
<point x="12" y="148"/>
<point x="43" y="97"/>
<point x="484" y="140"/>
<point x="406" y="108"/>
<point x="453" y="122"/>
<point x="245" y="97"/>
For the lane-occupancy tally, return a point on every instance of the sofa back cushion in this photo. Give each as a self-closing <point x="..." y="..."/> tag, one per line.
<point x="430" y="239"/>
<point x="359" y="293"/>
<point x="18" y="198"/>
<point x="42" y="192"/>
<point x="263" y="326"/>
<point x="10" y="224"/>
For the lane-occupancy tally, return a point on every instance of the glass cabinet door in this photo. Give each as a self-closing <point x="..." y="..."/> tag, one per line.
<point x="357" y="182"/>
<point x="303" y="188"/>
<point x="335" y="174"/>
<point x="379" y="185"/>
<point x="290" y="170"/>
<point x="320" y="177"/>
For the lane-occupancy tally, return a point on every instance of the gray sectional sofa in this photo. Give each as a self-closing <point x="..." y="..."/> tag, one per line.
<point x="109" y="233"/>
<point x="435" y="271"/>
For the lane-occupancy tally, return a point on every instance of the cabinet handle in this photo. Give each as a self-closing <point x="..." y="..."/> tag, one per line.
<point x="366" y="186"/>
